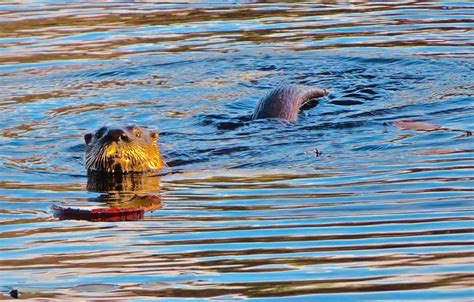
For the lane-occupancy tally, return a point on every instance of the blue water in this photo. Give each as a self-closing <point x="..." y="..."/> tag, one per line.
<point x="250" y="212"/>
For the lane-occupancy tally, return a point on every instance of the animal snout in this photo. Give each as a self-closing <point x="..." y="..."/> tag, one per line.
<point x="117" y="135"/>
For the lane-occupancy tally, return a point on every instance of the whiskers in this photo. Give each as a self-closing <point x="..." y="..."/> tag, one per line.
<point x="96" y="158"/>
<point x="126" y="158"/>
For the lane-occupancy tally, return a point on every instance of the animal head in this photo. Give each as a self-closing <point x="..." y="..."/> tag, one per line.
<point x="122" y="150"/>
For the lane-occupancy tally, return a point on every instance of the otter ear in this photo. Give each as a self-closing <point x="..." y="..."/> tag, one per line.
<point x="154" y="135"/>
<point x="88" y="138"/>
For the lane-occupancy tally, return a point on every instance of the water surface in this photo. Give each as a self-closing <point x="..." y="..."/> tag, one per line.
<point x="250" y="209"/>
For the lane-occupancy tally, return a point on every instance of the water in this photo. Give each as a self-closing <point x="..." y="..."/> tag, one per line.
<point x="250" y="210"/>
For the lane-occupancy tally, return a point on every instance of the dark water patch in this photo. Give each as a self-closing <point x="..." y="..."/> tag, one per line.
<point x="346" y="102"/>
<point x="339" y="126"/>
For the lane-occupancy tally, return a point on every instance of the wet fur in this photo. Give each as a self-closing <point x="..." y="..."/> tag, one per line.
<point x="137" y="152"/>
<point x="285" y="102"/>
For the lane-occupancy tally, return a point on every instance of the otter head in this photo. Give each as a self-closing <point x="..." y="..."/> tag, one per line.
<point x="122" y="150"/>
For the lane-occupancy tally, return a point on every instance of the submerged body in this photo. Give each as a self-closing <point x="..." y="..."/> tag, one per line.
<point x="134" y="149"/>
<point x="285" y="102"/>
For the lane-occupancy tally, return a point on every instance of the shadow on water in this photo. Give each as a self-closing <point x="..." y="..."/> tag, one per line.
<point x="368" y="196"/>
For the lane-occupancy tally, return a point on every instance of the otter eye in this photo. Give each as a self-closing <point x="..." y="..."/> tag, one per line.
<point x="137" y="132"/>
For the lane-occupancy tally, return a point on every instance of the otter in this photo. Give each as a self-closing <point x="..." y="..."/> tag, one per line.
<point x="122" y="150"/>
<point x="285" y="102"/>
<point x="134" y="149"/>
<point x="117" y="160"/>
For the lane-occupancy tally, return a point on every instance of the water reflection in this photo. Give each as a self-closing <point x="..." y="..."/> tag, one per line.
<point x="106" y="31"/>
<point x="123" y="197"/>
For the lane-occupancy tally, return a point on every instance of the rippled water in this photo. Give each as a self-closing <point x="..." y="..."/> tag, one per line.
<point x="250" y="210"/>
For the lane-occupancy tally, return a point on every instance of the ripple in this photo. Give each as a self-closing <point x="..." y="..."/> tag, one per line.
<point x="340" y="204"/>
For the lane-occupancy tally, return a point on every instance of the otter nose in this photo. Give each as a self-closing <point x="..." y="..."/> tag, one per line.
<point x="117" y="135"/>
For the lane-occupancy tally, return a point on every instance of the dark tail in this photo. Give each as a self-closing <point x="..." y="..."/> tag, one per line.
<point x="285" y="102"/>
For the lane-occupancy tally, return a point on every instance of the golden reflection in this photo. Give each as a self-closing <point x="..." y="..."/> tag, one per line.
<point x="12" y="185"/>
<point x="124" y="197"/>
<point x="35" y="97"/>
<point x="123" y="183"/>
